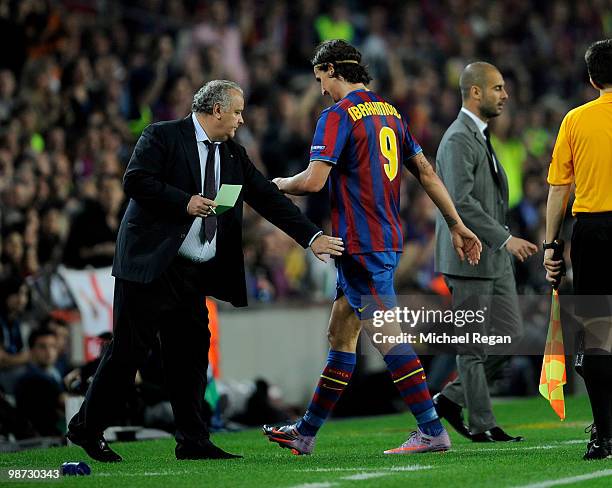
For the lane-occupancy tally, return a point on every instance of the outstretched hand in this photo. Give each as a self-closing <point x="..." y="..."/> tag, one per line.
<point x="520" y="248"/>
<point x="323" y="245"/>
<point x="466" y="244"/>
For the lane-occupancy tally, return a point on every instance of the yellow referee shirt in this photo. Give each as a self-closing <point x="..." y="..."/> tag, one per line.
<point x="583" y="154"/>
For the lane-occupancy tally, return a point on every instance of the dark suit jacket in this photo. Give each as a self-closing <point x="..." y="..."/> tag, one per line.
<point x="162" y="175"/>
<point x="463" y="165"/>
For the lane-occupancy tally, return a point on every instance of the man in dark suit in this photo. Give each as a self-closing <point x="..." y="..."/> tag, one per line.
<point x="477" y="183"/>
<point x="172" y="251"/>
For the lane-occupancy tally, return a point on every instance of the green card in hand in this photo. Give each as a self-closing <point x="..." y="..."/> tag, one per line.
<point x="226" y="197"/>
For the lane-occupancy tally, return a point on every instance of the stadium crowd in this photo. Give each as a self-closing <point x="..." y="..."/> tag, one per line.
<point x="81" y="80"/>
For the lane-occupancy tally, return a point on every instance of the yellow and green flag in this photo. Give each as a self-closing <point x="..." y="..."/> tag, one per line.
<point x="553" y="375"/>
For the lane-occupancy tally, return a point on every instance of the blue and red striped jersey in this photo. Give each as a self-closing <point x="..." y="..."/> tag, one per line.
<point x="366" y="140"/>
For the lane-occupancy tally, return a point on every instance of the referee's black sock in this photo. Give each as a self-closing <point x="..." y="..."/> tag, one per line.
<point x="598" y="379"/>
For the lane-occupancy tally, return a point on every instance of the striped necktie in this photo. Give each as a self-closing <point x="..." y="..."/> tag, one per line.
<point x="210" y="191"/>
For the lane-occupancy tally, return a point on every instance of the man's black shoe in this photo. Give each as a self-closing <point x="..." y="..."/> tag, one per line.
<point x="591" y="429"/>
<point x="498" y="435"/>
<point x="600" y="449"/>
<point x="449" y="410"/>
<point x="95" y="446"/>
<point x="202" y="451"/>
<point x="481" y="437"/>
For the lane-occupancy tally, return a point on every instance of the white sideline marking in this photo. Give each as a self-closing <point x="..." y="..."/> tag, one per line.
<point x="415" y="467"/>
<point x="362" y="475"/>
<point x="409" y="468"/>
<point x="365" y="476"/>
<point x="556" y="445"/>
<point x="567" y="481"/>
<point x="315" y="485"/>
<point x="508" y="449"/>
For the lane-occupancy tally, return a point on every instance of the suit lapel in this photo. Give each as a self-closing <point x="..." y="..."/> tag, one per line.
<point x="499" y="180"/>
<point x="469" y="123"/>
<point x="191" y="150"/>
<point x="226" y="160"/>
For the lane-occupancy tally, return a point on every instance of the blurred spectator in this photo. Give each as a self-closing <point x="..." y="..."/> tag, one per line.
<point x="511" y="150"/>
<point x="13" y="356"/>
<point x="39" y="391"/>
<point x="60" y="328"/>
<point x="336" y="24"/>
<point x="217" y="30"/>
<point x="416" y="266"/>
<point x="261" y="407"/>
<point x="77" y="381"/>
<point x="7" y="94"/>
<point x="51" y="234"/>
<point x="91" y="241"/>
<point x="12" y="421"/>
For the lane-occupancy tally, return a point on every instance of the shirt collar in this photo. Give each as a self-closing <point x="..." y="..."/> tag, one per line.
<point x="200" y="133"/>
<point x="479" y="123"/>
<point x="354" y="91"/>
<point x="606" y="96"/>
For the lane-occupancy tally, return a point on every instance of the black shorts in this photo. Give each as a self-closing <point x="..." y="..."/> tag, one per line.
<point x="591" y="256"/>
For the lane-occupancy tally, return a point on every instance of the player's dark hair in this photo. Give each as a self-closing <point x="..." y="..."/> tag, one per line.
<point x="599" y="62"/>
<point x="345" y="58"/>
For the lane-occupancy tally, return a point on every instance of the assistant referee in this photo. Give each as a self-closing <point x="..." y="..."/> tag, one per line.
<point x="583" y="155"/>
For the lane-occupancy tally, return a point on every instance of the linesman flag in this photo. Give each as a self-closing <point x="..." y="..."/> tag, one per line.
<point x="553" y="376"/>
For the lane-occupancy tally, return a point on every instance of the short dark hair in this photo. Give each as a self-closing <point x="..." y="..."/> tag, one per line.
<point x="474" y="74"/>
<point x="37" y="334"/>
<point x="345" y="58"/>
<point x="599" y="62"/>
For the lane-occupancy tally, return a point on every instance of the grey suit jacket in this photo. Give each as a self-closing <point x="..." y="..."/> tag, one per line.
<point x="463" y="165"/>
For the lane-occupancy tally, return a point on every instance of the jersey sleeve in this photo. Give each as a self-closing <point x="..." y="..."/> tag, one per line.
<point x="561" y="169"/>
<point x="331" y="136"/>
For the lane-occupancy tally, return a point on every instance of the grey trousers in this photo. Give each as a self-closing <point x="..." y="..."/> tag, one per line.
<point x="477" y="366"/>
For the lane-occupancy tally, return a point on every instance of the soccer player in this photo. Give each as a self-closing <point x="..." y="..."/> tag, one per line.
<point x="360" y="143"/>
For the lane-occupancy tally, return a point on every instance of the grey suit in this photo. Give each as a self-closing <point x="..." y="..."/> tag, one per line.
<point x="481" y="199"/>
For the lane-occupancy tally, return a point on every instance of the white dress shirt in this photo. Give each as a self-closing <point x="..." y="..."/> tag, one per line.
<point x="194" y="247"/>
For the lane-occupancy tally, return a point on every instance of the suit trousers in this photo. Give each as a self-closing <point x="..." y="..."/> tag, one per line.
<point x="171" y="309"/>
<point x="478" y="365"/>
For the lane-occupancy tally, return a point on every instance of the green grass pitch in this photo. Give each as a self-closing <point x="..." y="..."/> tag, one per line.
<point x="350" y="453"/>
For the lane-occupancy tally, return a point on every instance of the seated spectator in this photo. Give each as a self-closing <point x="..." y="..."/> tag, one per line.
<point x="77" y="381"/>
<point x="12" y="257"/>
<point x="91" y="241"/>
<point x="50" y="238"/>
<point x="13" y="422"/>
<point x="39" y="392"/>
<point x="60" y="328"/>
<point x="13" y="357"/>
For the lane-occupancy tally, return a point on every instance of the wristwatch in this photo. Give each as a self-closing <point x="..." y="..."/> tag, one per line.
<point x="549" y="245"/>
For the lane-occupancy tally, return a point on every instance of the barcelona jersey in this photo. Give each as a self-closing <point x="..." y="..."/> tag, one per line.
<point x="366" y="140"/>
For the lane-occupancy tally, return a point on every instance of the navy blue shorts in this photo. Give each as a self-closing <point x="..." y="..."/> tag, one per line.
<point x="367" y="281"/>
